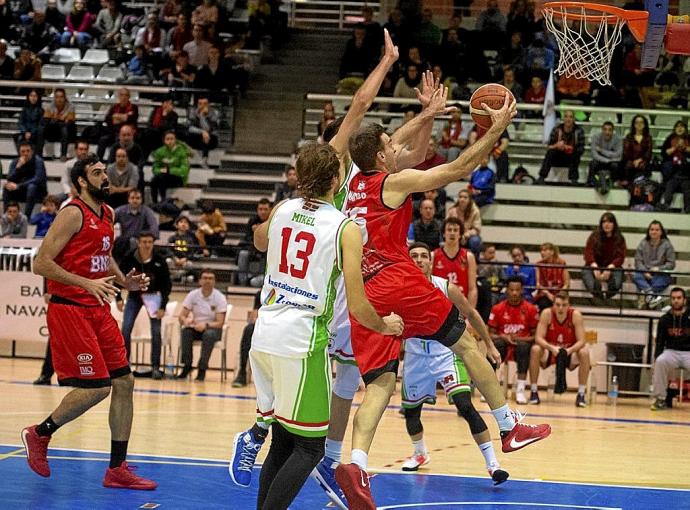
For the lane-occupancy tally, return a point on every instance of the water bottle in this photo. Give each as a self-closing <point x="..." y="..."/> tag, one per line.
<point x="613" y="391"/>
<point x="169" y="366"/>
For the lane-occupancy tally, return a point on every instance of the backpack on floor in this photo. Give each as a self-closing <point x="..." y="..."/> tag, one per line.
<point x="644" y="194"/>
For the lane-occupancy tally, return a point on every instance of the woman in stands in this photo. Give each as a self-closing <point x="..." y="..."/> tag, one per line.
<point x="60" y="122"/>
<point x="31" y="122"/>
<point x="604" y="257"/>
<point x="676" y="166"/>
<point x="654" y="253"/>
<point x="467" y="211"/>
<point x="637" y="152"/>
<point x="78" y="27"/>
<point x="552" y="276"/>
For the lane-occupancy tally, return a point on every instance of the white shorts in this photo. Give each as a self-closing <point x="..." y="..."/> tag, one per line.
<point x="421" y="373"/>
<point x="296" y="392"/>
<point x="340" y="346"/>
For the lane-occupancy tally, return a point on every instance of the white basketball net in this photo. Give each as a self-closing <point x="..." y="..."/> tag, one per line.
<point x="586" y="46"/>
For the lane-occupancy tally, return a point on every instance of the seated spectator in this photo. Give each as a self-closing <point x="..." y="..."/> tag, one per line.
<point x="427" y="35"/>
<point x="374" y="32"/>
<point x="137" y="69"/>
<point x="676" y="166"/>
<point x="78" y="28"/>
<point x="520" y="18"/>
<point x="13" y="224"/>
<point x="467" y="211"/>
<point x="490" y="271"/>
<point x="248" y="253"/>
<point x="151" y="36"/>
<point x="135" y="154"/>
<point x="169" y="13"/>
<point x="216" y="76"/>
<point x="672" y="346"/>
<point x="571" y="87"/>
<point x="637" y="152"/>
<point x="565" y="148"/>
<point x="152" y="263"/>
<point x="246" y="343"/>
<point x="55" y="15"/>
<point x="426" y="229"/>
<point x="607" y="151"/>
<point x="512" y="324"/>
<point x="26" y="180"/>
<point x="31" y="122"/>
<point x="406" y="85"/>
<point x="163" y="118"/>
<point x="289" y="188"/>
<point x="60" y="122"/>
<point x="483" y="184"/>
<point x="206" y="13"/>
<point x="211" y="229"/>
<point x="511" y="84"/>
<point x="240" y="65"/>
<point x="560" y="328"/>
<point x="491" y="24"/>
<point x="327" y="117"/>
<point x="170" y="166"/>
<point x="432" y="158"/>
<point x="184" y="247"/>
<point x="134" y="218"/>
<point x="539" y="59"/>
<point x="438" y="197"/>
<point x="500" y="156"/>
<point x="202" y="319"/>
<point x="527" y="273"/>
<point x="397" y="122"/>
<point x="654" y="259"/>
<point x="44" y="219"/>
<point x="107" y="26"/>
<point x="536" y="94"/>
<point x="359" y="57"/>
<point x="604" y="256"/>
<point x="179" y="35"/>
<point x="514" y="58"/>
<point x="6" y="62"/>
<point x="182" y="74"/>
<point x="202" y="123"/>
<point x="456" y="264"/>
<point x="198" y="47"/>
<point x="397" y="28"/>
<point x="552" y="276"/>
<point x="636" y="80"/>
<point x="28" y="66"/>
<point x="40" y="35"/>
<point x="122" y="113"/>
<point x="123" y="177"/>
<point x="452" y="143"/>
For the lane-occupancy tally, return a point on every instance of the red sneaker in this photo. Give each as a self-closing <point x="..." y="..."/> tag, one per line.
<point x="123" y="477"/>
<point x="36" y="451"/>
<point x="355" y="485"/>
<point x="523" y="435"/>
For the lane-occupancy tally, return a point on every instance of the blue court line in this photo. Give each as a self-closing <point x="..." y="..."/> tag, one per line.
<point x="162" y="392"/>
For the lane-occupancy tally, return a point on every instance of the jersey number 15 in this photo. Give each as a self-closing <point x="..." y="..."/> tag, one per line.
<point x="301" y="255"/>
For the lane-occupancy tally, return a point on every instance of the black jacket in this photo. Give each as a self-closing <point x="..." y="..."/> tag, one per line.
<point x="156" y="269"/>
<point x="673" y="332"/>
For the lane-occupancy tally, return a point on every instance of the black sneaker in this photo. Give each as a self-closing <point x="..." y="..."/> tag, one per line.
<point x="240" y="381"/>
<point x="156" y="374"/>
<point x="659" y="405"/>
<point x="200" y="375"/>
<point x="185" y="372"/>
<point x="42" y="381"/>
<point x="580" y="400"/>
<point x="498" y="476"/>
<point x="534" y="398"/>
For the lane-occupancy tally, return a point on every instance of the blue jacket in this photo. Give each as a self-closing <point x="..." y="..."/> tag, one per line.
<point x="529" y="279"/>
<point x="33" y="172"/>
<point x="42" y="220"/>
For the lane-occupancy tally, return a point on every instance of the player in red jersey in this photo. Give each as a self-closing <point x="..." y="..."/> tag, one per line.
<point x="87" y="346"/>
<point x="454" y="263"/>
<point x="380" y="200"/>
<point x="560" y="327"/>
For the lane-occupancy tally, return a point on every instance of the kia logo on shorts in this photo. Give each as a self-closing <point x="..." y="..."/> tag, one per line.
<point x="84" y="358"/>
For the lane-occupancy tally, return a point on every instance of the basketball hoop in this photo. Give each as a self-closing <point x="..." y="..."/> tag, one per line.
<point x="587" y="34"/>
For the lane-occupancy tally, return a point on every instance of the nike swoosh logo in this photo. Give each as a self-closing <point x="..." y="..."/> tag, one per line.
<point x="364" y="484"/>
<point x="520" y="444"/>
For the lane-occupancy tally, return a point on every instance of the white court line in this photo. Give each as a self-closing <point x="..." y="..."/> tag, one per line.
<point x="501" y="503"/>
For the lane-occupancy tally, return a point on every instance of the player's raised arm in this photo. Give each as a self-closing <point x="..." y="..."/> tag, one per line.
<point x="357" y="301"/>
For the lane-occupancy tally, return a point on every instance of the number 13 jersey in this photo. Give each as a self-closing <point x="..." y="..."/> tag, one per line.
<point x="303" y="263"/>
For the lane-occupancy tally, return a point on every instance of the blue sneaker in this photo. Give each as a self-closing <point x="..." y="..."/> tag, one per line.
<point x="324" y="474"/>
<point x="245" y="448"/>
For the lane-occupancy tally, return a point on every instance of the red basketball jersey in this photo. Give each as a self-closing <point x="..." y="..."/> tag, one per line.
<point x="86" y="254"/>
<point x="561" y="334"/>
<point x="518" y="320"/>
<point x="452" y="269"/>
<point x="384" y="229"/>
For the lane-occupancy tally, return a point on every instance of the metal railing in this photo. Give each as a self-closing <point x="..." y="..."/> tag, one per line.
<point x="325" y="14"/>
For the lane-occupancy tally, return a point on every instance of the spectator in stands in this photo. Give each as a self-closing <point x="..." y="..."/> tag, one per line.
<point x="107" y="26"/>
<point x="672" y="346"/>
<point x="500" y="156"/>
<point x="327" y="117"/>
<point x="573" y="88"/>
<point x="182" y="74"/>
<point x="44" y="219"/>
<point x="170" y="12"/>
<point x="491" y="22"/>
<point x="27" y="67"/>
<point x="122" y="113"/>
<point x="240" y="65"/>
<point x="248" y="253"/>
<point x="151" y="36"/>
<point x="452" y="56"/>
<point x="123" y="177"/>
<point x="207" y="307"/>
<point x="134" y="218"/>
<point x="358" y="58"/>
<point x="604" y="256"/>
<point x="374" y="32"/>
<point x="202" y="122"/>
<point x="289" y="188"/>
<point x="452" y="143"/>
<point x="81" y="150"/>
<point x="396" y="122"/>
<point x="483" y="184"/>
<point x="65" y="6"/>
<point x="13" y="224"/>
<point x="184" y="247"/>
<point x="60" y="122"/>
<point x="520" y="19"/>
<point x="135" y="153"/>
<point x="514" y="57"/>
<point x="206" y="13"/>
<point x="539" y="59"/>
<point x="427" y="35"/>
<point x="211" y="229"/>
<point x="31" y="122"/>
<point x="246" y="343"/>
<point x="552" y="276"/>
<point x="565" y="148"/>
<point x="676" y="166"/>
<point x="607" y="151"/>
<point x="431" y="158"/>
<point x="137" y="69"/>
<point x="654" y="259"/>
<point x="536" y="94"/>
<point x="179" y="35"/>
<point x="560" y="328"/>
<point x="216" y="76"/>
<point x="635" y="79"/>
<point x="637" y="151"/>
<point x="406" y="85"/>
<point x="163" y="119"/>
<point x="198" y="47"/>
<point x="467" y="211"/>
<point x="454" y="23"/>
<point x="397" y="28"/>
<point x="455" y="264"/>
<point x="55" y="17"/>
<point x="78" y="28"/>
<point x="512" y="324"/>
<point x="170" y="166"/>
<point x="6" y="62"/>
<point x="438" y="197"/>
<point x="152" y="263"/>
<point x="511" y="84"/>
<point x="40" y="35"/>
<point x="427" y="229"/>
<point x="26" y="180"/>
<point x="527" y="273"/>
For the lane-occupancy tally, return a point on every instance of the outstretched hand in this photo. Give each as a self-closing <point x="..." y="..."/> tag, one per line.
<point x="437" y="104"/>
<point x="137" y="282"/>
<point x="502" y="117"/>
<point x="390" y="50"/>
<point x="429" y="86"/>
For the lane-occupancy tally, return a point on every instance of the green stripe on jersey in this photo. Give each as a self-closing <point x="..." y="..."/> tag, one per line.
<point x="340" y="197"/>
<point x="320" y="328"/>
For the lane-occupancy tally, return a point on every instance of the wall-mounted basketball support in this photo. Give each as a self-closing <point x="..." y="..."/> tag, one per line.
<point x="656" y="30"/>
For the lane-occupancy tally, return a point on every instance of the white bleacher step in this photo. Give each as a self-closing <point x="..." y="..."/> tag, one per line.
<point x="256" y="158"/>
<point x="236" y="197"/>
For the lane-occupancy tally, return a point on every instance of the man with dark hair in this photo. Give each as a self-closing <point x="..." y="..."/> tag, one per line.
<point x="26" y="180"/>
<point x="248" y="254"/>
<point x="87" y="347"/>
<point x="607" y="152"/>
<point x="202" y="122"/>
<point x="288" y="188"/>
<point x="123" y="177"/>
<point x="454" y="263"/>
<point x="565" y="148"/>
<point x="135" y="154"/>
<point x="134" y="218"/>
<point x="426" y="229"/>
<point x="122" y="113"/>
<point x="672" y="345"/>
<point x="13" y="223"/>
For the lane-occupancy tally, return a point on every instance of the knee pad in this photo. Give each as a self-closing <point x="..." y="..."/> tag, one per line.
<point x="413" y="421"/>
<point x="463" y="402"/>
<point x="346" y="381"/>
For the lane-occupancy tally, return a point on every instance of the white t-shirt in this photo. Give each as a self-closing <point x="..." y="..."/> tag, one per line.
<point x="205" y="308"/>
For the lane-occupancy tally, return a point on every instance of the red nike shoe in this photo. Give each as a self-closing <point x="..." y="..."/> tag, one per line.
<point x="524" y="435"/>
<point x="355" y="485"/>
<point x="123" y="477"/>
<point x="36" y="451"/>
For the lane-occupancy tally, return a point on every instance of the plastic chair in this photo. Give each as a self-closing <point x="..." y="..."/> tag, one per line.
<point x="109" y="74"/>
<point x="95" y="57"/>
<point x="66" y="56"/>
<point x="53" y="72"/>
<point x="80" y="73"/>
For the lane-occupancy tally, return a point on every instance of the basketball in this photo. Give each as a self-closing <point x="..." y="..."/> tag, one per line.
<point x="491" y="94"/>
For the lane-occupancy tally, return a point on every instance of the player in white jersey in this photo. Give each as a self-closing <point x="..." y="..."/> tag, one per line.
<point x="427" y="363"/>
<point x="309" y="242"/>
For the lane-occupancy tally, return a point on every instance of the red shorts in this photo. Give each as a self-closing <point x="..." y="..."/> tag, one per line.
<point x="87" y="346"/>
<point x="404" y="290"/>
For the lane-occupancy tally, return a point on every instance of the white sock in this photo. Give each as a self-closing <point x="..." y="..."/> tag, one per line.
<point x="581" y="389"/>
<point x="334" y="449"/>
<point x="263" y="425"/>
<point x="489" y="454"/>
<point x="504" y="418"/>
<point x="535" y="387"/>
<point x="360" y="457"/>
<point x="419" y="447"/>
<point x="521" y="385"/>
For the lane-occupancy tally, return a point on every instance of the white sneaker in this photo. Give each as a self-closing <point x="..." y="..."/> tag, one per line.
<point x="415" y="462"/>
<point x="520" y="397"/>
